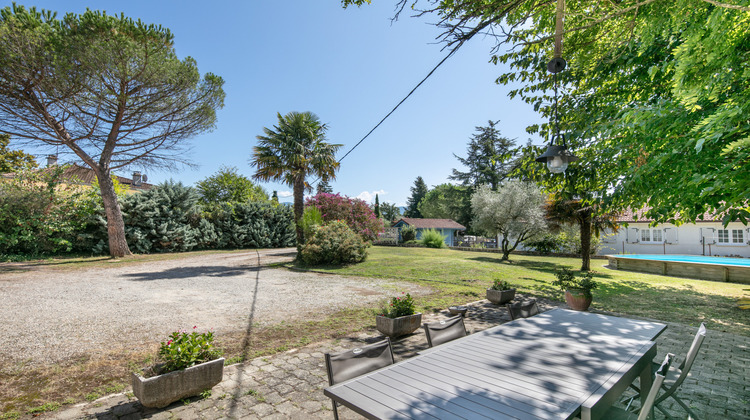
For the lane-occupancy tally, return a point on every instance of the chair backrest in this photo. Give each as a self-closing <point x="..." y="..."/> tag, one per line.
<point x="443" y="331"/>
<point x="522" y="310"/>
<point x="658" y="381"/>
<point x="688" y="362"/>
<point x="356" y="362"/>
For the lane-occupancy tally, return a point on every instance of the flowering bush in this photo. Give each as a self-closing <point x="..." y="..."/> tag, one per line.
<point x="399" y="306"/>
<point x="334" y="243"/>
<point x="184" y="349"/>
<point x="354" y="212"/>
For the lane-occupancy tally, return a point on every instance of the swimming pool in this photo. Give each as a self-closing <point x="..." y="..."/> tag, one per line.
<point x="693" y="266"/>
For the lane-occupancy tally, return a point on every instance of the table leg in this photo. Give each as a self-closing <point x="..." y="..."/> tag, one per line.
<point x="646" y="381"/>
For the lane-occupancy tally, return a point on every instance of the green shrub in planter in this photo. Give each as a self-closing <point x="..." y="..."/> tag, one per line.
<point x="335" y="244"/>
<point x="432" y="239"/>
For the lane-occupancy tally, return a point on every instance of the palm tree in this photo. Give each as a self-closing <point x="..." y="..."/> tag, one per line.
<point x="565" y="211"/>
<point x="292" y="150"/>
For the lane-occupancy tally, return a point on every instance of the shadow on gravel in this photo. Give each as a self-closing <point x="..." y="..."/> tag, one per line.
<point x="187" y="272"/>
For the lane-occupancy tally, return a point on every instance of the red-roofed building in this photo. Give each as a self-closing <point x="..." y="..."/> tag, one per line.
<point x="446" y="227"/>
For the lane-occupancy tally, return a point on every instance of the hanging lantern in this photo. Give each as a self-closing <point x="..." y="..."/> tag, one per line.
<point x="557" y="157"/>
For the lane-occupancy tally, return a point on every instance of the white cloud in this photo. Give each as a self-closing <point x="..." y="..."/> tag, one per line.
<point x="369" y="197"/>
<point x="284" y="194"/>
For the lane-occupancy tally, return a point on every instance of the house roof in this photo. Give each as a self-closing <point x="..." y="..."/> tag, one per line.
<point x="432" y="223"/>
<point x="85" y="175"/>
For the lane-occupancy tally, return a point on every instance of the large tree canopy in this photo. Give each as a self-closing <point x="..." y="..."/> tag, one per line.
<point x="447" y="201"/>
<point x="14" y="160"/>
<point x="109" y="89"/>
<point x="228" y="185"/>
<point x="514" y="212"/>
<point x="418" y="192"/>
<point x="655" y="98"/>
<point x="489" y="158"/>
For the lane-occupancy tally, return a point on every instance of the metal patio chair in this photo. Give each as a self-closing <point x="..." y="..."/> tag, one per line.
<point x="443" y="331"/>
<point x="355" y="362"/>
<point x="617" y="413"/>
<point x="522" y="310"/>
<point x="673" y="383"/>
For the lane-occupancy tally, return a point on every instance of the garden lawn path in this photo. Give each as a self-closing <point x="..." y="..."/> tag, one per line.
<point x="50" y="315"/>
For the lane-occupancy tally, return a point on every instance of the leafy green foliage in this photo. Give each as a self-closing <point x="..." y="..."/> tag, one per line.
<point x="247" y="225"/>
<point x="489" y="158"/>
<point x="408" y="233"/>
<point x="227" y="185"/>
<point x="447" y="201"/>
<point x="418" y="192"/>
<point x="163" y="219"/>
<point x="431" y="238"/>
<point x="390" y="211"/>
<point x="399" y="306"/>
<point x="184" y="349"/>
<point x="546" y="244"/>
<point x="312" y="218"/>
<point x="39" y="215"/>
<point x="376" y="208"/>
<point x="334" y="244"/>
<point x="14" y="160"/>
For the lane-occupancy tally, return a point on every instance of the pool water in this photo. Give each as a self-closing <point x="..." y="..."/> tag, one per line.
<point x="700" y="259"/>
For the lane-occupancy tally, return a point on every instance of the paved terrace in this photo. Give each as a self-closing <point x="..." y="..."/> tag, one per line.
<point x="290" y="385"/>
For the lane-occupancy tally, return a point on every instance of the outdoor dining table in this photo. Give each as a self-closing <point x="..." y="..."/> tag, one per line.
<point x="557" y="365"/>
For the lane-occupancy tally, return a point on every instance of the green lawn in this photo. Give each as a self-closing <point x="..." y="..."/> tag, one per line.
<point x="464" y="275"/>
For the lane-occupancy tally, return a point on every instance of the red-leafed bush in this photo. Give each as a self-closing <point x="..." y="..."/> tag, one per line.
<point x="354" y="212"/>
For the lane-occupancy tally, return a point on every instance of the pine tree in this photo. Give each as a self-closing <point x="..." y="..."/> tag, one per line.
<point x="275" y="197"/>
<point x="418" y="191"/>
<point x="490" y="158"/>
<point x="324" y="187"/>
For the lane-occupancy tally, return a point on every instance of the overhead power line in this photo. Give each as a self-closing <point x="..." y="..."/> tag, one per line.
<point x="453" y="51"/>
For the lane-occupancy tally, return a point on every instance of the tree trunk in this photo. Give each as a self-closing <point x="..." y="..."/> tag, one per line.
<point x="118" y="245"/>
<point x="299" y="207"/>
<point x="586" y="240"/>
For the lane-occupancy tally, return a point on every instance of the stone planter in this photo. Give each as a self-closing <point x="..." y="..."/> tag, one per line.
<point x="577" y="299"/>
<point x="160" y="391"/>
<point x="395" y="327"/>
<point x="500" y="297"/>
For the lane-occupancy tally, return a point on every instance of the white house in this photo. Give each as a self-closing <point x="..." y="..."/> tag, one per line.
<point x="706" y="237"/>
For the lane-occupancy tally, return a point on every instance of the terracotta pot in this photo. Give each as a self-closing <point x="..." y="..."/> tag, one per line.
<point x="162" y="390"/>
<point x="500" y="297"/>
<point x="578" y="299"/>
<point x="395" y="327"/>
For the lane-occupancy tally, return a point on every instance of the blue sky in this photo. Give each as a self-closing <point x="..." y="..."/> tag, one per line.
<point x="350" y="67"/>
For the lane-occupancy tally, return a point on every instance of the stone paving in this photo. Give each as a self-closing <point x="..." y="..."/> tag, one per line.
<point x="290" y="385"/>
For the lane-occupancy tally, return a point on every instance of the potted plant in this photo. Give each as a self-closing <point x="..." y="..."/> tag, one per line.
<point x="577" y="289"/>
<point x="501" y="292"/>
<point x="398" y="318"/>
<point x="188" y="364"/>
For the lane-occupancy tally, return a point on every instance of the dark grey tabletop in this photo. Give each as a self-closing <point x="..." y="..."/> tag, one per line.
<point x="543" y="367"/>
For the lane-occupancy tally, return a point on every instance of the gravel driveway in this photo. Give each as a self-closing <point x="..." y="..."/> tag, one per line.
<point x="50" y="315"/>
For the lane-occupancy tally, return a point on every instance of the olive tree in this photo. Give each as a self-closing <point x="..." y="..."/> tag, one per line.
<point x="515" y="213"/>
<point x="110" y="89"/>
